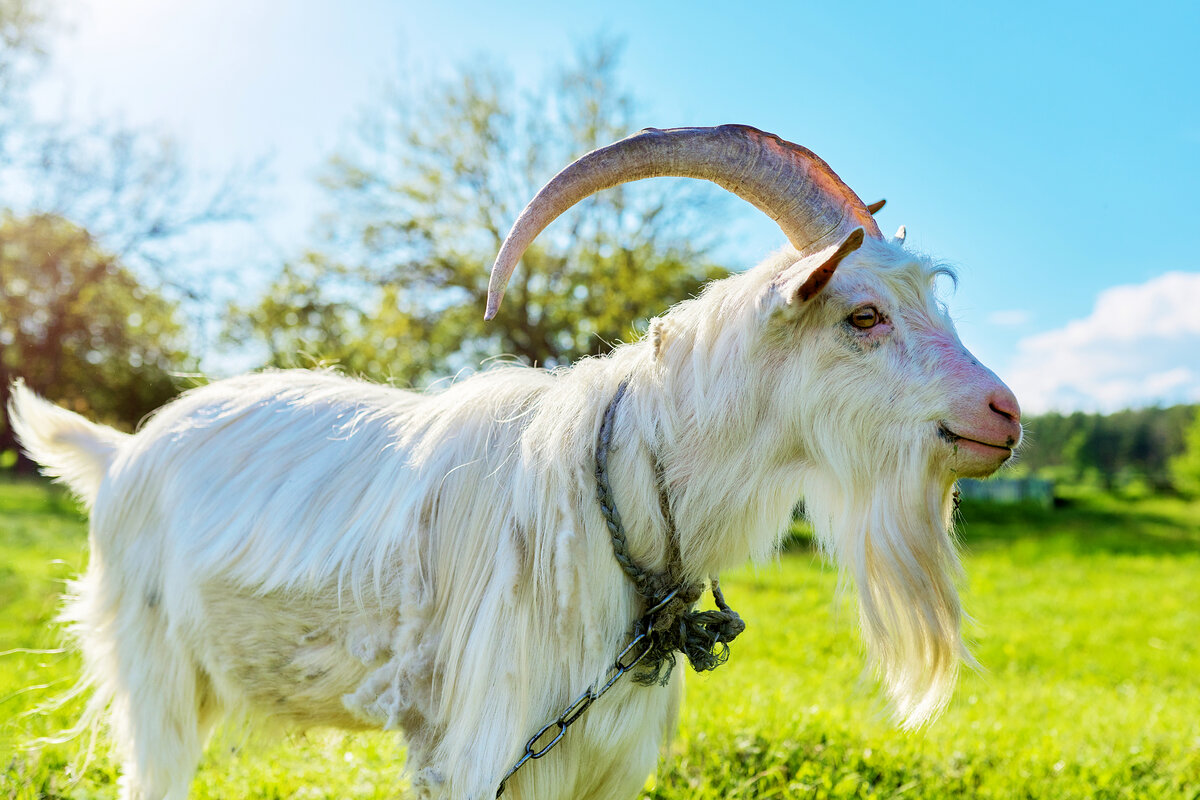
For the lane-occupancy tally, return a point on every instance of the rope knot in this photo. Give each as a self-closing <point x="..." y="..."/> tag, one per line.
<point x="672" y="624"/>
<point x="702" y="636"/>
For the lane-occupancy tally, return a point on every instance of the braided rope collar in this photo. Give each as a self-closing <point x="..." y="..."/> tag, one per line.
<point x="702" y="636"/>
<point x="668" y="624"/>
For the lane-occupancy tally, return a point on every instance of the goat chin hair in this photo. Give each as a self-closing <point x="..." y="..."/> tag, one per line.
<point x="319" y="550"/>
<point x="894" y="543"/>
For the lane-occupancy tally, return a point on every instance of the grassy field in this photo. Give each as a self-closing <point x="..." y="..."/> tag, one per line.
<point x="1087" y="622"/>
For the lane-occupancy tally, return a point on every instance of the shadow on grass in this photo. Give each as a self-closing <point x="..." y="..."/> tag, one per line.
<point x="1100" y="525"/>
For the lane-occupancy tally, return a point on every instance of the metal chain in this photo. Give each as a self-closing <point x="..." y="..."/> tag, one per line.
<point x="630" y="657"/>
<point x="701" y="636"/>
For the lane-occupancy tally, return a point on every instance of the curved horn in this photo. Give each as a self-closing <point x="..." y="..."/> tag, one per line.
<point x="876" y="206"/>
<point x="789" y="183"/>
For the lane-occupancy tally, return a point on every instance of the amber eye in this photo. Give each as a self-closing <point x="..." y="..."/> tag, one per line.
<point x="865" y="317"/>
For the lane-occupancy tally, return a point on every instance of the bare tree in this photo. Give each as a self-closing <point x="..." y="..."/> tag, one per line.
<point x="23" y="26"/>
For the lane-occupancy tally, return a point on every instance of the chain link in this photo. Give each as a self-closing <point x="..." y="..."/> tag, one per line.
<point x="630" y="657"/>
<point x="695" y="634"/>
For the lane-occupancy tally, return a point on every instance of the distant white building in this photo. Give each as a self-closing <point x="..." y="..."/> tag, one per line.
<point x="1009" y="490"/>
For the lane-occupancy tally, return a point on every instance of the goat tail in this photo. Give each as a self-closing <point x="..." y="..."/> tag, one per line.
<point x="69" y="448"/>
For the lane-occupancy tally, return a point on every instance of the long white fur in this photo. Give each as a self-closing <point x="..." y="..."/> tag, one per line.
<point x="320" y="550"/>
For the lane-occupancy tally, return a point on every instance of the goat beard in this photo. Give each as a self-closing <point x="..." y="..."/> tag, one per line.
<point x="891" y="537"/>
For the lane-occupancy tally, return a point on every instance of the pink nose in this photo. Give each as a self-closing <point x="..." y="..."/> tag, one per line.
<point x="1004" y="403"/>
<point x="1006" y="420"/>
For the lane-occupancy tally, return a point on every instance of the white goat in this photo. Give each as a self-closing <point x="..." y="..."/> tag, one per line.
<point x="324" y="551"/>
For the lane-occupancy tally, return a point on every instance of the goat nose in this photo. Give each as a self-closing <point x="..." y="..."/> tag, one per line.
<point x="1004" y="403"/>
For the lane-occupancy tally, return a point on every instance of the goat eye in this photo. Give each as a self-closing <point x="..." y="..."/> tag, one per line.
<point x="865" y="317"/>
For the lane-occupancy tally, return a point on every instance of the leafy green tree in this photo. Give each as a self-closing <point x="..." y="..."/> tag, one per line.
<point x="79" y="328"/>
<point x="301" y="321"/>
<point x="1185" y="467"/>
<point x="423" y="204"/>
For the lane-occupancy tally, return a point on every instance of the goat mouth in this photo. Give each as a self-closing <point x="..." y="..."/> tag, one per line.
<point x="956" y="439"/>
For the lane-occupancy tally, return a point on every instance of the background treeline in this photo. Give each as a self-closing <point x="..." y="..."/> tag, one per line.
<point x="1134" y="450"/>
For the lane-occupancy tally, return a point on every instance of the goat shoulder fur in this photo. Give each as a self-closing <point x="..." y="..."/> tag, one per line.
<point x="319" y="550"/>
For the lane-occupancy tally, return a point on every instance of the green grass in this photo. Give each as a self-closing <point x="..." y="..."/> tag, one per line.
<point x="1087" y="620"/>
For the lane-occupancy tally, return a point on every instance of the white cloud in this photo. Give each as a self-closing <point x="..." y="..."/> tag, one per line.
<point x="1139" y="346"/>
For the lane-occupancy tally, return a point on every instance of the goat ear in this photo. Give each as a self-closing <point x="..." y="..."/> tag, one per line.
<point x="805" y="278"/>
<point x="901" y="232"/>
<point x="820" y="267"/>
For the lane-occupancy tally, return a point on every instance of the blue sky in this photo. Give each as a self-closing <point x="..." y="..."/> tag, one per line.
<point x="1051" y="152"/>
